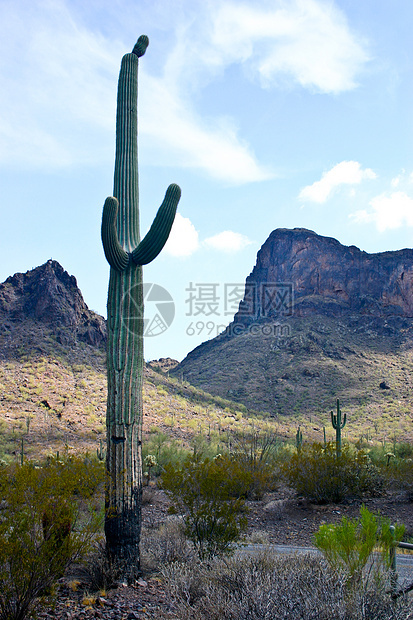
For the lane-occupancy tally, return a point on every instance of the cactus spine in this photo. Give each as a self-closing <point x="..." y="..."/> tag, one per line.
<point x="126" y="254"/>
<point x="338" y="423"/>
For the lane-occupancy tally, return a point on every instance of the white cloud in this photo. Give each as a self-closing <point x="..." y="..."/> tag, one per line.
<point x="307" y="40"/>
<point x="191" y="142"/>
<point x="388" y="212"/>
<point x="58" y="74"/>
<point x="183" y="239"/>
<point x="227" y="241"/>
<point x="57" y="103"/>
<point x="400" y="179"/>
<point x="57" y="87"/>
<point x="344" y="173"/>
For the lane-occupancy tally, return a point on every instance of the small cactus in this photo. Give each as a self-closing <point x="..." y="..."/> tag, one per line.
<point x="298" y="439"/>
<point x="338" y="423"/>
<point x="100" y="451"/>
<point x="150" y="461"/>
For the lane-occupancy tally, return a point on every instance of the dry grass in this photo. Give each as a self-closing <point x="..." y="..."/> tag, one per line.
<point x="54" y="397"/>
<point x="324" y="358"/>
<point x="267" y="586"/>
<point x="165" y="545"/>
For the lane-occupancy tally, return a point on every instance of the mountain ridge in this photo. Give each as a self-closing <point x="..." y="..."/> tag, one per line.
<point x="47" y="296"/>
<point x="323" y="271"/>
<point x="346" y="328"/>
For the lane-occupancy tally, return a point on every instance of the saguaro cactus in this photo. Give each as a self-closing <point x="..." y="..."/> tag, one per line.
<point x="338" y="423"/>
<point x="126" y="254"/>
<point x="299" y="439"/>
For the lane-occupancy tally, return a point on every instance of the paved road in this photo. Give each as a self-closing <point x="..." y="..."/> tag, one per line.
<point x="404" y="561"/>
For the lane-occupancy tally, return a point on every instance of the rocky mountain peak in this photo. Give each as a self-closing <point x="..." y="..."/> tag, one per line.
<point x="319" y="275"/>
<point x="50" y="296"/>
<point x="319" y="320"/>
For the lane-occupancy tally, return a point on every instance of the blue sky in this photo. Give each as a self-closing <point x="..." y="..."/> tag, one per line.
<point x="268" y="114"/>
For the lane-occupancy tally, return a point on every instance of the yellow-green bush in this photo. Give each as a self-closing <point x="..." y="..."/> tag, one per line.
<point x="254" y="460"/>
<point x="319" y="475"/>
<point x="49" y="516"/>
<point x="249" y="478"/>
<point x="202" y="490"/>
<point x="348" y="546"/>
<point x="400" y="475"/>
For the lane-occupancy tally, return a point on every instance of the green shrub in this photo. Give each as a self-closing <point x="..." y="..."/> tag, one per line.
<point x="164" y="450"/>
<point x="254" y="459"/>
<point x="48" y="519"/>
<point x="319" y="475"/>
<point x="378" y="454"/>
<point x="348" y="545"/>
<point x="403" y="450"/>
<point x="400" y="475"/>
<point x="204" y="494"/>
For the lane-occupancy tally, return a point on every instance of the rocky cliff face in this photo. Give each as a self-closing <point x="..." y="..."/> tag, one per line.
<point x="299" y="272"/>
<point x="49" y="296"/>
<point x="318" y="321"/>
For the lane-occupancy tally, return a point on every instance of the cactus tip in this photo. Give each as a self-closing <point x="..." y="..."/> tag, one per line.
<point x="140" y="46"/>
<point x="173" y="192"/>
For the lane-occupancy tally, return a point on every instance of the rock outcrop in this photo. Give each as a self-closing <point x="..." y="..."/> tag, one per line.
<point x="299" y="272"/>
<point x="318" y="321"/>
<point x="49" y="296"/>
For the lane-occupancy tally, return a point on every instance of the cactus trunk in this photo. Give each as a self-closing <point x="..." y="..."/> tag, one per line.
<point x="126" y="255"/>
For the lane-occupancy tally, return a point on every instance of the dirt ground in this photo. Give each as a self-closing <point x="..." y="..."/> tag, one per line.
<point x="288" y="519"/>
<point x="283" y="518"/>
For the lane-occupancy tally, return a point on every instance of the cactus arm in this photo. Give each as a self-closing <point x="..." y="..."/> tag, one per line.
<point x="115" y="254"/>
<point x="336" y="420"/>
<point x="157" y="236"/>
